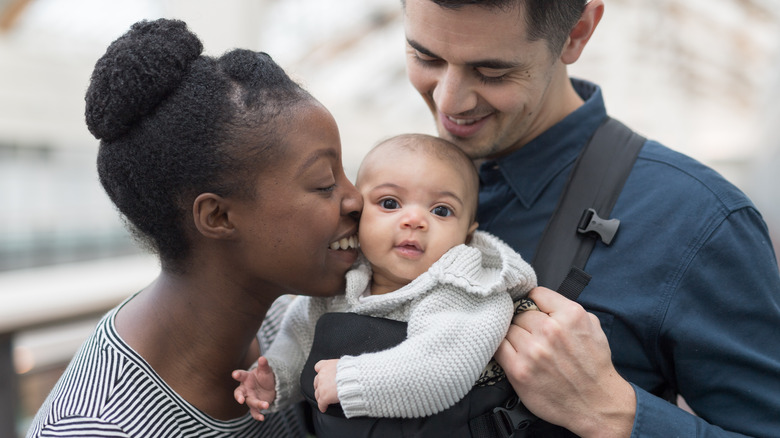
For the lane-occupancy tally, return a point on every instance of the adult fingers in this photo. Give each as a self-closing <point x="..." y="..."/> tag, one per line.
<point x="528" y="320"/>
<point x="547" y="300"/>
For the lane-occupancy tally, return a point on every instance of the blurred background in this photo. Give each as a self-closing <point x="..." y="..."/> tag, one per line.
<point x="701" y="76"/>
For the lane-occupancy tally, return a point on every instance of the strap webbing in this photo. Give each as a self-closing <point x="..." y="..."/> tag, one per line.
<point x="508" y="421"/>
<point x="595" y="182"/>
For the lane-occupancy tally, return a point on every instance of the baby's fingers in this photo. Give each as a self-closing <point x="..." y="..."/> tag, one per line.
<point x="239" y="375"/>
<point x="257" y="415"/>
<point x="322" y="406"/>
<point x="239" y="395"/>
<point x="257" y="404"/>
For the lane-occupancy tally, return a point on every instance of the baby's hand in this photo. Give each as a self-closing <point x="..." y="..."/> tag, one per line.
<point x="257" y="388"/>
<point x="325" y="383"/>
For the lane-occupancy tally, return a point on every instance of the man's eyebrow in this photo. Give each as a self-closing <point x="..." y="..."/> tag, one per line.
<point x="419" y="47"/>
<point x="494" y="64"/>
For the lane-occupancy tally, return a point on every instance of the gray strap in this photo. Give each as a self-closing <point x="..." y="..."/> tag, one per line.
<point x="595" y="183"/>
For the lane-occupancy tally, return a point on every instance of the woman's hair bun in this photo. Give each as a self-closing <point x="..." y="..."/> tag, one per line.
<point x="137" y="72"/>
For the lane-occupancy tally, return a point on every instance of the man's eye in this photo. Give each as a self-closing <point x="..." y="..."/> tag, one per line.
<point x="491" y="77"/>
<point x="389" y="204"/>
<point x="491" y="80"/>
<point x="425" y="59"/>
<point x="441" y="211"/>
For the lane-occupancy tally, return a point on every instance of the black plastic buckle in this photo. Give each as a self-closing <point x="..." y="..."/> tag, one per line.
<point x="590" y="222"/>
<point x="511" y="417"/>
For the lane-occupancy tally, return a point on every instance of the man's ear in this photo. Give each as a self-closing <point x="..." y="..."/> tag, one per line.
<point x="582" y="31"/>
<point x="472" y="228"/>
<point x="211" y="215"/>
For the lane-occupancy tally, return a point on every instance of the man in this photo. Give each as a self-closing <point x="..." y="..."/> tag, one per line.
<point x="685" y="300"/>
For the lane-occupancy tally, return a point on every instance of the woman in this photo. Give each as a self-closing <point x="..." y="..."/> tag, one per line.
<point x="232" y="174"/>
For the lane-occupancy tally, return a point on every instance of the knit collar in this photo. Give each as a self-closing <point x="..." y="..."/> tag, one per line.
<point x="483" y="267"/>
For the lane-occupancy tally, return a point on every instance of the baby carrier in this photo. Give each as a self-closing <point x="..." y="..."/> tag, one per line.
<point x="491" y="408"/>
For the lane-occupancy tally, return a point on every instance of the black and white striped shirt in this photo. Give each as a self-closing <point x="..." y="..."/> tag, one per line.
<point x="108" y="390"/>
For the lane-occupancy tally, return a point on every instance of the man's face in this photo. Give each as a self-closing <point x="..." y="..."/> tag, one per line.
<point x="490" y="90"/>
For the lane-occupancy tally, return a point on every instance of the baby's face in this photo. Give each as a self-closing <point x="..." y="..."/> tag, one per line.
<point x="416" y="207"/>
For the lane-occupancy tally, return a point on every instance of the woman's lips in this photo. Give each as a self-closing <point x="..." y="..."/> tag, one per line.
<point x="345" y="249"/>
<point x="350" y="242"/>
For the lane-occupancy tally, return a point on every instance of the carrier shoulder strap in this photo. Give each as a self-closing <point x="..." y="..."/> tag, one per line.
<point x="582" y="213"/>
<point x="591" y="191"/>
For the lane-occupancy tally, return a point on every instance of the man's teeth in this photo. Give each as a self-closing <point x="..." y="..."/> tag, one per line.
<point x="345" y="243"/>
<point x="462" y="121"/>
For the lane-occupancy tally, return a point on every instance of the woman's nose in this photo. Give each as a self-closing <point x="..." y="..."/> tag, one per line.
<point x="352" y="201"/>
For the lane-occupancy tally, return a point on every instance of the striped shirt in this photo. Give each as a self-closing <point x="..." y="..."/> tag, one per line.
<point x="108" y="390"/>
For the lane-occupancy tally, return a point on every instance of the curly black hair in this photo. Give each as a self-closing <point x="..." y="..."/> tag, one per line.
<point x="174" y="123"/>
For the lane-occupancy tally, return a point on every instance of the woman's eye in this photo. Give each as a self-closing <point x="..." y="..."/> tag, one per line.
<point x="328" y="189"/>
<point x="389" y="204"/>
<point x="441" y="211"/>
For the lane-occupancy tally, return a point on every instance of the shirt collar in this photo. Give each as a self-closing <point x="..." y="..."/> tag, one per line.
<point x="531" y="168"/>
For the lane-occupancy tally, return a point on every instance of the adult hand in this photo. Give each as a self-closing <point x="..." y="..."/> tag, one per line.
<point x="256" y="387"/>
<point x="325" y="390"/>
<point x="559" y="362"/>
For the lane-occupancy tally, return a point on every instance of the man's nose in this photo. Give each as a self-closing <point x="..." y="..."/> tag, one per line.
<point x="453" y="93"/>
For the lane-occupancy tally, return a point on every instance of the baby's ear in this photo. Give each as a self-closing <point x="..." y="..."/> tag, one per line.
<point x="472" y="228"/>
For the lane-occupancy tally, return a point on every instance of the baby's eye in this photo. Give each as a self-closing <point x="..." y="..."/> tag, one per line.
<point x="442" y="211"/>
<point x="389" y="204"/>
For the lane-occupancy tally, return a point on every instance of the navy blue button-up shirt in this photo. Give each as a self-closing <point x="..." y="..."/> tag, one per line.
<point x="689" y="291"/>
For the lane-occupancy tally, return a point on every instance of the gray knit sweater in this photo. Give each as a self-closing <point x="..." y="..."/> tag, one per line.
<point x="457" y="312"/>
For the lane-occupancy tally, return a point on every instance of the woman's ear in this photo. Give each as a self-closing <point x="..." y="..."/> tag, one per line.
<point x="211" y="214"/>
<point x="582" y="31"/>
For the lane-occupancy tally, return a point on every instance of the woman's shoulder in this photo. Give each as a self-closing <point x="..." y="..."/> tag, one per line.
<point x="106" y="386"/>
<point x="89" y="384"/>
<point x="109" y="387"/>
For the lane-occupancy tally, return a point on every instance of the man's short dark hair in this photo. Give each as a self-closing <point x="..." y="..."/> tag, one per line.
<point x="548" y="20"/>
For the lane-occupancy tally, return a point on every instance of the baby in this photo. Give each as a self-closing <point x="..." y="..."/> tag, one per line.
<point x="424" y="263"/>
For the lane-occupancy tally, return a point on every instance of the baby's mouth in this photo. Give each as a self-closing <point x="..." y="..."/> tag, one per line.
<point x="409" y="245"/>
<point x="350" y="242"/>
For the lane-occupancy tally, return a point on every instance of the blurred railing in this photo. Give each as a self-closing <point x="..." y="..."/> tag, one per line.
<point x="48" y="297"/>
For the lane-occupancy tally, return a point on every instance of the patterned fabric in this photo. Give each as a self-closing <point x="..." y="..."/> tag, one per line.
<point x="108" y="390"/>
